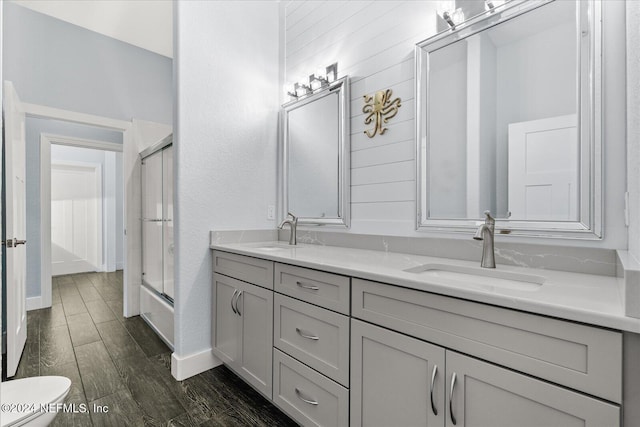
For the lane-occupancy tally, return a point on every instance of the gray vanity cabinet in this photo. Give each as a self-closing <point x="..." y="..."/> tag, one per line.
<point x="395" y="380"/>
<point x="399" y="380"/>
<point x="488" y="395"/>
<point x="243" y="330"/>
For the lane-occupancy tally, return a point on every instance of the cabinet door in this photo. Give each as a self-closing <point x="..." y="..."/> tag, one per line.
<point x="391" y="379"/>
<point x="255" y="314"/>
<point x="226" y="327"/>
<point x="488" y="395"/>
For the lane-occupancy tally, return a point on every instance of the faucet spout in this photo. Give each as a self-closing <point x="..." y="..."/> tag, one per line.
<point x="486" y="233"/>
<point x="292" y="221"/>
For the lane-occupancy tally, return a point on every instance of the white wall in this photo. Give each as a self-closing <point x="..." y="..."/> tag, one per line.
<point x="448" y="162"/>
<point x="374" y="43"/>
<point x="633" y="125"/>
<point x="549" y="91"/>
<point x="225" y="145"/>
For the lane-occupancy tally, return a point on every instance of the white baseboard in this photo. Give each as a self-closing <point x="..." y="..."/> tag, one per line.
<point x="34" y="303"/>
<point x="193" y="364"/>
<point x="119" y="266"/>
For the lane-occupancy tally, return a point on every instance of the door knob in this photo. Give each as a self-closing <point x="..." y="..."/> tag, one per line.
<point x="12" y="243"/>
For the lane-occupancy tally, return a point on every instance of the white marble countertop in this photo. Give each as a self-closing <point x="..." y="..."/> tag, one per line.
<point x="587" y="298"/>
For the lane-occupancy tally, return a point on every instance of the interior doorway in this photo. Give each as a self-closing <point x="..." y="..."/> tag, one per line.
<point x="82" y="202"/>
<point x="76" y="217"/>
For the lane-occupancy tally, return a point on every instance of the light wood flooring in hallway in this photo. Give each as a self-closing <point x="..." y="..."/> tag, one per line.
<point x="121" y="364"/>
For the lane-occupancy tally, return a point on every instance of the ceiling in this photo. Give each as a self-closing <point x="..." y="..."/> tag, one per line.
<point x="143" y="23"/>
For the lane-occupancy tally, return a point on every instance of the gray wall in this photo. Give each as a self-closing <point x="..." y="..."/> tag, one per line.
<point x="34" y="127"/>
<point x="61" y="65"/>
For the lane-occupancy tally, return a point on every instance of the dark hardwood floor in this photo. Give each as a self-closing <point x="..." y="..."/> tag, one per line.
<point x="122" y="365"/>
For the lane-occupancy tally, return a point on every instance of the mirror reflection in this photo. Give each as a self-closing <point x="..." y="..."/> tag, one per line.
<point x="500" y="127"/>
<point x="315" y="153"/>
<point x="314" y="136"/>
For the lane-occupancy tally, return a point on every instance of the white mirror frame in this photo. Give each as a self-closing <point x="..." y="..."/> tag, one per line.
<point x="589" y="225"/>
<point x="341" y="86"/>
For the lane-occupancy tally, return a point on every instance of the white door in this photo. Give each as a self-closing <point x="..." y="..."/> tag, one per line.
<point x="543" y="169"/>
<point x="15" y="204"/>
<point x="76" y="218"/>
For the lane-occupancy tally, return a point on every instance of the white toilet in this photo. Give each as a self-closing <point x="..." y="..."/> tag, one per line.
<point x="32" y="393"/>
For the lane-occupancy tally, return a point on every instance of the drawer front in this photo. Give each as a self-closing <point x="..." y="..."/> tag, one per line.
<point x="248" y="269"/>
<point x="324" y="289"/>
<point x="317" y="337"/>
<point x="578" y="356"/>
<point x="307" y="396"/>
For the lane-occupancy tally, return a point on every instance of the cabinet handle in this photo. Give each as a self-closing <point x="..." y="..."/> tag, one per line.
<point x="307" y="286"/>
<point x="238" y="299"/>
<point x="303" y="335"/>
<point x="453" y="385"/>
<point x="235" y="291"/>
<point x="300" y="396"/>
<point x="433" y="380"/>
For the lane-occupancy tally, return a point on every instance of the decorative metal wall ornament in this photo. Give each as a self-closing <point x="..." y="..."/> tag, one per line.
<point x="380" y="108"/>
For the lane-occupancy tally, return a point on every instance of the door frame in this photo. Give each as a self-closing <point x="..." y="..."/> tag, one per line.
<point x="132" y="207"/>
<point x="46" y="206"/>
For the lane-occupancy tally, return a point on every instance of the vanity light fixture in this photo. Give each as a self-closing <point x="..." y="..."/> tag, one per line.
<point x="302" y="89"/>
<point x="317" y="81"/>
<point x="331" y="72"/>
<point x="290" y="90"/>
<point x="490" y="5"/>
<point x="449" y="13"/>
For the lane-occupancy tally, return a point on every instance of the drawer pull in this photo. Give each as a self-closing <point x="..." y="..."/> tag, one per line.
<point x="453" y="385"/>
<point x="433" y="380"/>
<point x="307" y="286"/>
<point x="300" y="396"/>
<point x="307" y="336"/>
<point x="235" y="291"/>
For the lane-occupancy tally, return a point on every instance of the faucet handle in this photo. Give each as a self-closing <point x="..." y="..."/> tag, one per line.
<point x="489" y="219"/>
<point x="293" y="217"/>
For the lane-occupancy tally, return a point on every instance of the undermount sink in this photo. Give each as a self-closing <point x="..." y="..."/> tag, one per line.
<point x="273" y="246"/>
<point x="486" y="279"/>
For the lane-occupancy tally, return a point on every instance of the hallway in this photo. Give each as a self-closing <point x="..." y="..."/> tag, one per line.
<point x="122" y="365"/>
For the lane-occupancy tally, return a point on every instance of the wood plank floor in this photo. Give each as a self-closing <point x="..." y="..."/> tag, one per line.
<point x="123" y="365"/>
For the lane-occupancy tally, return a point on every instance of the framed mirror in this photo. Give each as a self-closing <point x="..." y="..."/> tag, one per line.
<point x="315" y="156"/>
<point x="508" y="120"/>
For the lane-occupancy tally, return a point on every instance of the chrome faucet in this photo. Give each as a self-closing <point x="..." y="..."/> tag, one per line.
<point x="485" y="232"/>
<point x="292" y="220"/>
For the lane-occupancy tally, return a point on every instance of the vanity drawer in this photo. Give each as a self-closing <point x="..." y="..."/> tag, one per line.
<point x="317" y="287"/>
<point x="582" y="357"/>
<point x="245" y="268"/>
<point x="317" y="337"/>
<point x="307" y="396"/>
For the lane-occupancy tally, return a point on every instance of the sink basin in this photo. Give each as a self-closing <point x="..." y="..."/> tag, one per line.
<point x="483" y="278"/>
<point x="273" y="246"/>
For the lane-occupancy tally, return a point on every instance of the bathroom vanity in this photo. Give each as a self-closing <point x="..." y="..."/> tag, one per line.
<point x="340" y="336"/>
